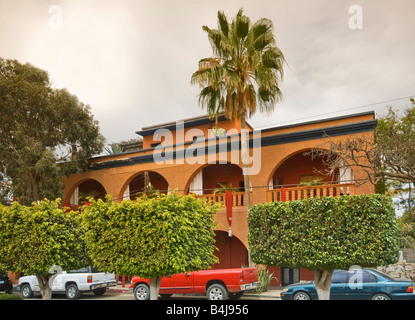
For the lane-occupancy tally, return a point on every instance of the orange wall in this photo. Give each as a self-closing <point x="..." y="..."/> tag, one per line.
<point x="179" y="176"/>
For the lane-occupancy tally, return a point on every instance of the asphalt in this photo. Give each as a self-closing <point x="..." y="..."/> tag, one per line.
<point x="272" y="293"/>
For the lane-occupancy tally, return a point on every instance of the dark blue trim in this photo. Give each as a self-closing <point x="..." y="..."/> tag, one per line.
<point x="313" y="134"/>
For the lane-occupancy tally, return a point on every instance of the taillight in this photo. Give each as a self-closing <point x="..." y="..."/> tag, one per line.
<point x="89" y="279"/>
<point x="410" y="289"/>
<point x="241" y="276"/>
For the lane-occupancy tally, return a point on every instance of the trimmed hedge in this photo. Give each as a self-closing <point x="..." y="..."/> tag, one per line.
<point x="151" y="237"/>
<point x="325" y="233"/>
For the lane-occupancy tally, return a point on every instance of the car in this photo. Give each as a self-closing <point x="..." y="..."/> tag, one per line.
<point x="219" y="284"/>
<point x="5" y="283"/>
<point x="355" y="284"/>
<point x="71" y="283"/>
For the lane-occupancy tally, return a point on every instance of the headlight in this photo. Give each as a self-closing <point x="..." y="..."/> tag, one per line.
<point x="285" y="290"/>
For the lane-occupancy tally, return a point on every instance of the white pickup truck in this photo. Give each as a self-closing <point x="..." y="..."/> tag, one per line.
<point x="71" y="283"/>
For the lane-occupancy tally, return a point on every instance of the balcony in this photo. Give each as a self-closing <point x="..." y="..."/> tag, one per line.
<point x="291" y="193"/>
<point x="238" y="198"/>
<point x="324" y="190"/>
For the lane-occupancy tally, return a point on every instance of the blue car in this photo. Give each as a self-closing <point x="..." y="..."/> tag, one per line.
<point x="358" y="284"/>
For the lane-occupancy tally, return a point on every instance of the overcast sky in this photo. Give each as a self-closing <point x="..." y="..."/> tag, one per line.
<point x="131" y="60"/>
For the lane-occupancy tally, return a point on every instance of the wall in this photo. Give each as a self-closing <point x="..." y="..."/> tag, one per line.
<point x="401" y="270"/>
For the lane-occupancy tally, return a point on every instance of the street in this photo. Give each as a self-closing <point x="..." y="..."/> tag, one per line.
<point x="129" y="296"/>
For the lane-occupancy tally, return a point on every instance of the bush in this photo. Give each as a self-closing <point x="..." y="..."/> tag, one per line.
<point x="264" y="278"/>
<point x="325" y="233"/>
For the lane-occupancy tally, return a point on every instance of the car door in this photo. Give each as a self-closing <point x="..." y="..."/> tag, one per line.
<point x="362" y="284"/>
<point x="338" y="290"/>
<point x="166" y="285"/>
<point x="183" y="282"/>
<point x="57" y="284"/>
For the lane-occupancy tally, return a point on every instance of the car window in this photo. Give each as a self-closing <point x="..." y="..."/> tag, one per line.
<point x="383" y="275"/>
<point x="339" y="277"/>
<point x="368" y="277"/>
<point x="361" y="276"/>
<point x="82" y="270"/>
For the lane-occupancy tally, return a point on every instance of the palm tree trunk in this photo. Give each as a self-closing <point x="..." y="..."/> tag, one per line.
<point x="244" y="158"/>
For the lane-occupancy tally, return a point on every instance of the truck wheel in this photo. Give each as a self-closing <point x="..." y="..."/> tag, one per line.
<point x="26" y="291"/>
<point x="217" y="292"/>
<point x="141" y="292"/>
<point x="72" y="291"/>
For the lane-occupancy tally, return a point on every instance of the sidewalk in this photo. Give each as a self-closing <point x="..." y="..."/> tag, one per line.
<point x="272" y="293"/>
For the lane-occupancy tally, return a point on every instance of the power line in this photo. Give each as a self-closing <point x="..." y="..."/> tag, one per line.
<point x="342" y="110"/>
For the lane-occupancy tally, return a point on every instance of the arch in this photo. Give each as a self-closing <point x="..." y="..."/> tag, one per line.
<point x="231" y="252"/>
<point x="136" y="183"/>
<point x="212" y="165"/>
<point x="86" y="188"/>
<point x="302" y="166"/>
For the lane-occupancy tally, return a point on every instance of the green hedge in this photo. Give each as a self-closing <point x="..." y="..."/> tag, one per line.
<point x="151" y="237"/>
<point x="325" y="233"/>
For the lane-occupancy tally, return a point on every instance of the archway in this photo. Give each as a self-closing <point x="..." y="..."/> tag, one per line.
<point x="136" y="186"/>
<point x="301" y="169"/>
<point x="231" y="251"/>
<point x="89" y="188"/>
<point x="215" y="176"/>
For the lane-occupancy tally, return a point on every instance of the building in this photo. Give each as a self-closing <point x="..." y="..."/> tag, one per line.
<point x="196" y="155"/>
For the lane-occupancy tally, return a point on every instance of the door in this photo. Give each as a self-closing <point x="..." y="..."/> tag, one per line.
<point x="289" y="276"/>
<point x="183" y="282"/>
<point x="57" y="284"/>
<point x="166" y="285"/>
<point x="362" y="284"/>
<point x="339" y="286"/>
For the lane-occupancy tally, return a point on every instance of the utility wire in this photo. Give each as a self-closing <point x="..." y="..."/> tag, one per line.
<point x="332" y="112"/>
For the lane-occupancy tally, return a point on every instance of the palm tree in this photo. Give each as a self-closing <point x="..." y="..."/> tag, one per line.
<point x="243" y="73"/>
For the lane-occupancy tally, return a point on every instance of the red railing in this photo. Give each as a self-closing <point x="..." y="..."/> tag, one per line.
<point x="298" y="193"/>
<point x="238" y="198"/>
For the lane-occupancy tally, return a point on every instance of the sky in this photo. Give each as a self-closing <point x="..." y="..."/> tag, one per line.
<point x="132" y="60"/>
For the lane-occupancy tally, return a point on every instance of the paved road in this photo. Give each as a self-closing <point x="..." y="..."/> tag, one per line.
<point x="127" y="296"/>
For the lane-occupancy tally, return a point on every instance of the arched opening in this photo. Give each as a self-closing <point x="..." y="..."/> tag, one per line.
<point x="87" y="189"/>
<point x="154" y="182"/>
<point x="217" y="177"/>
<point x="303" y="176"/>
<point x="231" y="251"/>
<point x="301" y="169"/>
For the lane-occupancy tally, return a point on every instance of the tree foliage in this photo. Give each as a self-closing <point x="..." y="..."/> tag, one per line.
<point x="323" y="234"/>
<point x="45" y="133"/>
<point x="151" y="237"/>
<point x="386" y="155"/>
<point x="35" y="238"/>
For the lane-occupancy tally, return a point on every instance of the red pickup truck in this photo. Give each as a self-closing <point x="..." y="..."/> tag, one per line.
<point x="216" y="284"/>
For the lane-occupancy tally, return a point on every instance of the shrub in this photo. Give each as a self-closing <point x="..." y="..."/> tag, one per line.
<point x="323" y="234"/>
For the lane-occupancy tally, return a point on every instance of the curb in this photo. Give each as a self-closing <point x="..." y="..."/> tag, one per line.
<point x="127" y="291"/>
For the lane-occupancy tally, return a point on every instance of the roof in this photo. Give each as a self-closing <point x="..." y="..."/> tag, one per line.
<point x="188" y="123"/>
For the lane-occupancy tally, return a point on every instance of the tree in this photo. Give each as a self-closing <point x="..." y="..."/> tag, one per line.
<point x="6" y="197"/>
<point x="151" y="237"/>
<point x="34" y="239"/>
<point x="323" y="234"/>
<point x="386" y="156"/>
<point x="45" y="133"/>
<point x="244" y="72"/>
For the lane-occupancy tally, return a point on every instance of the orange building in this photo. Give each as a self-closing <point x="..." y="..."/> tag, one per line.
<point x="197" y="156"/>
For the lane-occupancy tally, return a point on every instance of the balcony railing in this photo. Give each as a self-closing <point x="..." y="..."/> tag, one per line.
<point x="238" y="198"/>
<point x="298" y="193"/>
<point x="291" y="193"/>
